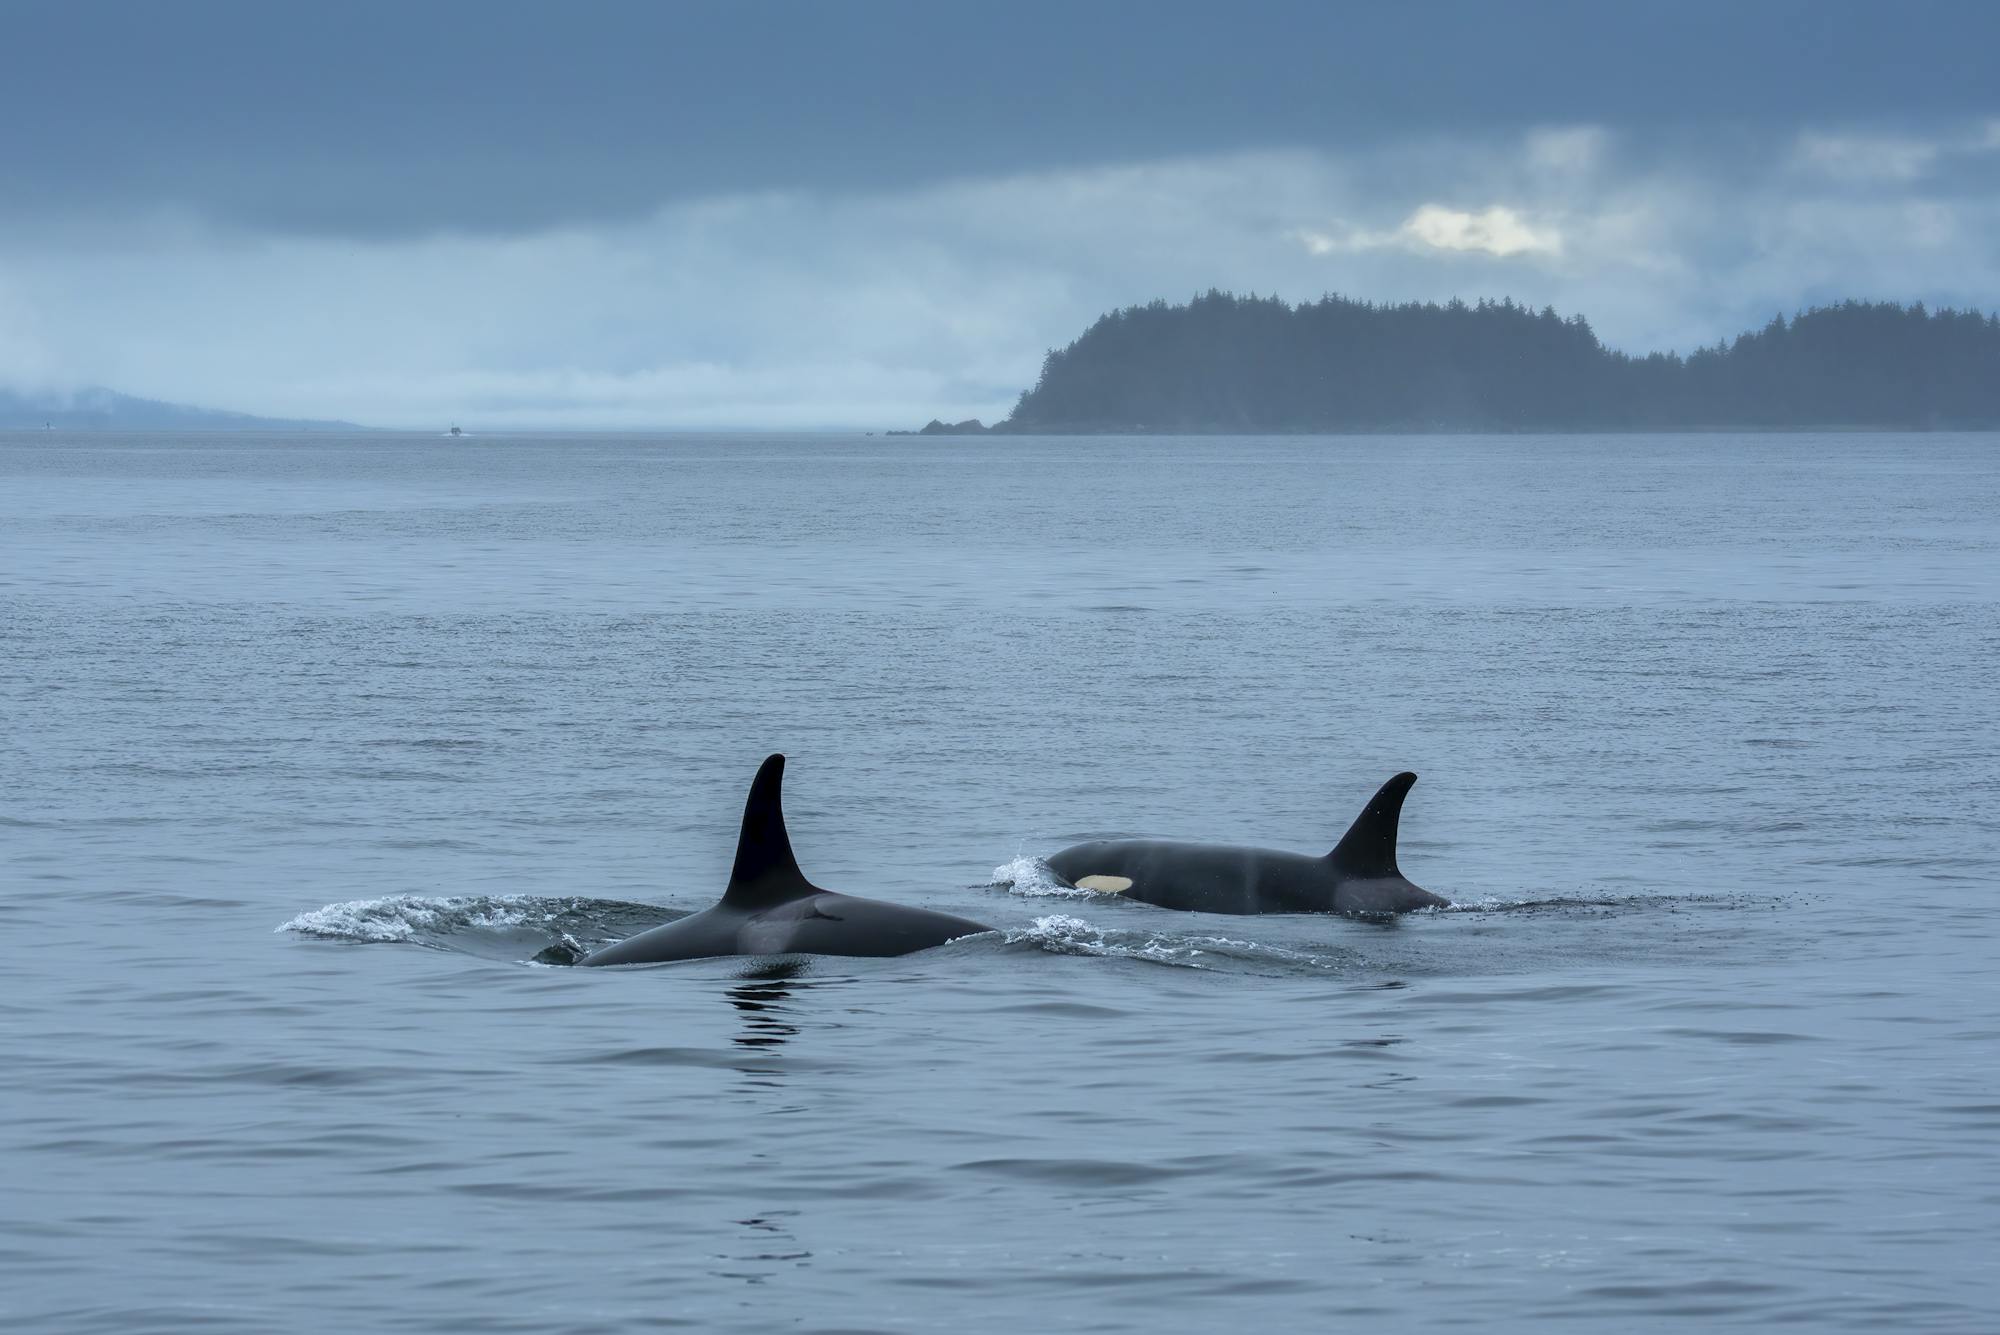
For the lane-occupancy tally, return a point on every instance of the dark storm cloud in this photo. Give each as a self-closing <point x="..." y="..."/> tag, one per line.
<point x="374" y="119"/>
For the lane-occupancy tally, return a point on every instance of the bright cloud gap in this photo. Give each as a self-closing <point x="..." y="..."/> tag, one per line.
<point x="1497" y="230"/>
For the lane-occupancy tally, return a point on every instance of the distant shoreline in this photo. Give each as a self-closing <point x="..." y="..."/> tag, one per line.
<point x="100" y="409"/>
<point x="1005" y="434"/>
<point x="1227" y="365"/>
<point x="1005" y="430"/>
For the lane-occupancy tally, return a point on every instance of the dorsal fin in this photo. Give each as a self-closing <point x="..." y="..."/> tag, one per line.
<point x="1368" y="849"/>
<point x="765" y="873"/>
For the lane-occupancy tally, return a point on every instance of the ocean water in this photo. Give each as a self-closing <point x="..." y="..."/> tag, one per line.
<point x="320" y="753"/>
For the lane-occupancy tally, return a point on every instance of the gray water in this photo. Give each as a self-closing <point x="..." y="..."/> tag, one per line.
<point x="313" y="745"/>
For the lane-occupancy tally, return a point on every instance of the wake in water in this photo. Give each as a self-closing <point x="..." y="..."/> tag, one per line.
<point x="539" y="930"/>
<point x="535" y="930"/>
<point x="1462" y="939"/>
<point x="552" y="931"/>
<point x="1065" y="934"/>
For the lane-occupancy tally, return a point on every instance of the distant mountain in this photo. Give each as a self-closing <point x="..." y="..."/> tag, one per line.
<point x="103" y="410"/>
<point x="1224" y="363"/>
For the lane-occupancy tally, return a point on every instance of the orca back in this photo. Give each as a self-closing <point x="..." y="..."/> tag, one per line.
<point x="770" y="908"/>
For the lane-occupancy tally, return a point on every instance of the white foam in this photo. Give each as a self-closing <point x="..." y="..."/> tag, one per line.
<point x="566" y="951"/>
<point x="1483" y="905"/>
<point x="1032" y="878"/>
<point x="1063" y="934"/>
<point x="401" y="917"/>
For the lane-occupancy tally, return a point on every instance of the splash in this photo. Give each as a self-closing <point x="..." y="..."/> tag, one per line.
<point x="548" y="930"/>
<point x="403" y="917"/>
<point x="1032" y="878"/>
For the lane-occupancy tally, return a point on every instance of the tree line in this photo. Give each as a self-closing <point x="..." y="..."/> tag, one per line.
<point x="1254" y="364"/>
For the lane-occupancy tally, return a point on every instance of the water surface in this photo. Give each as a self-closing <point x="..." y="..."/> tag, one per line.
<point x="315" y="744"/>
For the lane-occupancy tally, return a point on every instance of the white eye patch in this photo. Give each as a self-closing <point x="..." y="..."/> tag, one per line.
<point x="1110" y="885"/>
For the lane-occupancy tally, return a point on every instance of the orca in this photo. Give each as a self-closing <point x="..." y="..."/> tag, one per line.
<point x="770" y="908"/>
<point x="1358" y="878"/>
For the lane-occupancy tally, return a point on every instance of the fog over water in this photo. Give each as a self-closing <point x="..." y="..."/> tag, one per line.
<point x="314" y="746"/>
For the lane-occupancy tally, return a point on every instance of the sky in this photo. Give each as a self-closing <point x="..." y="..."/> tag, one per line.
<point x="602" y="215"/>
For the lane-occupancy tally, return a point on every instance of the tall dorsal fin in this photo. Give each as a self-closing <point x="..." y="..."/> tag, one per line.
<point x="1368" y="849"/>
<point x="765" y="873"/>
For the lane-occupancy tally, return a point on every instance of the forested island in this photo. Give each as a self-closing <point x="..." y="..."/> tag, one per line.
<point x="1224" y="363"/>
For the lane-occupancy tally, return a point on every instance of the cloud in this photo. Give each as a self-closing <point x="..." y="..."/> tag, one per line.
<point x="808" y="308"/>
<point x="1572" y="149"/>
<point x="1870" y="159"/>
<point x="1867" y="158"/>
<point x="381" y="118"/>
<point x="1497" y="231"/>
